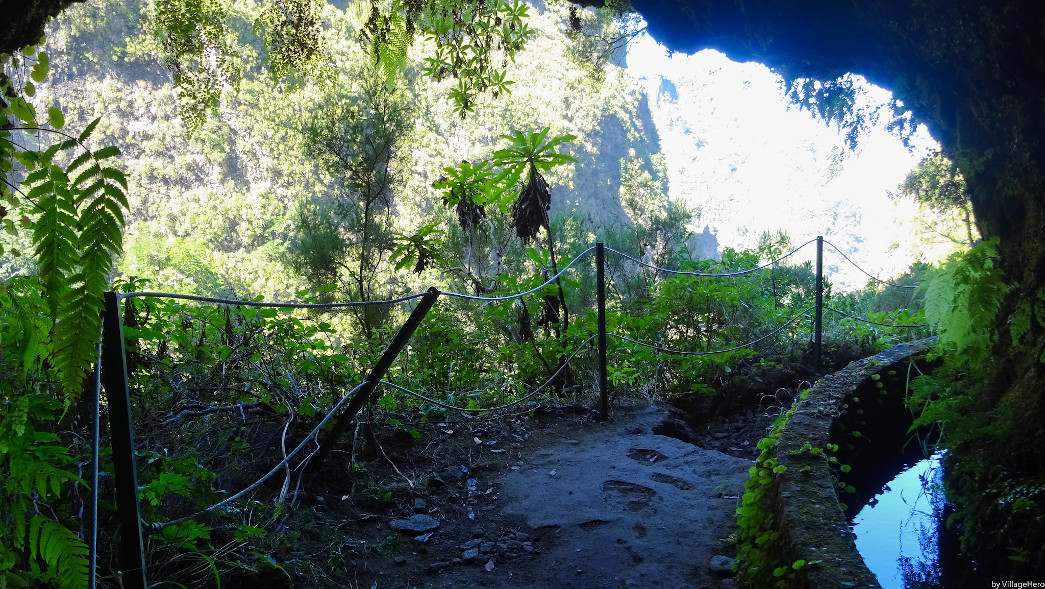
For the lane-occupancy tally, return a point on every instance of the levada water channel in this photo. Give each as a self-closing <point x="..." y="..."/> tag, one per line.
<point x="897" y="530"/>
<point x="896" y="505"/>
<point x="884" y="474"/>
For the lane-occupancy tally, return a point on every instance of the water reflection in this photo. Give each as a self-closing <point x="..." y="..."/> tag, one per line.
<point x="897" y="530"/>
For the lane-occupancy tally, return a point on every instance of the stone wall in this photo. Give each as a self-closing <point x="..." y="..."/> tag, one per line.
<point x="811" y="522"/>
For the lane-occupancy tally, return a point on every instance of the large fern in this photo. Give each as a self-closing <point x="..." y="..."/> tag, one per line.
<point x="963" y="297"/>
<point x="76" y="236"/>
<point x="35" y="547"/>
<point x="73" y="200"/>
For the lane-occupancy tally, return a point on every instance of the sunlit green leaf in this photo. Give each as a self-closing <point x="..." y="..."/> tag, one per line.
<point x="56" y="118"/>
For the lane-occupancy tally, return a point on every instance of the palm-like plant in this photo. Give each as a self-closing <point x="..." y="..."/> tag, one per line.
<point x="473" y="188"/>
<point x="529" y="155"/>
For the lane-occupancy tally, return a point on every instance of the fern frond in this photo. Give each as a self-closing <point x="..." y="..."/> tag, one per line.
<point x="117" y="195"/>
<point x="16" y="416"/>
<point x="76" y="331"/>
<point x="61" y="550"/>
<point x="54" y="235"/>
<point x="91" y="171"/>
<point x="36" y="176"/>
<point x="77" y="235"/>
<point x="114" y="174"/>
<point x="88" y="130"/>
<point x="106" y="152"/>
<point x="22" y="312"/>
<point x="33" y="468"/>
<point x="80" y="160"/>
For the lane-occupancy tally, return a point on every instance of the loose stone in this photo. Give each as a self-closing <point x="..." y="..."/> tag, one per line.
<point x="415" y="524"/>
<point x="722" y="565"/>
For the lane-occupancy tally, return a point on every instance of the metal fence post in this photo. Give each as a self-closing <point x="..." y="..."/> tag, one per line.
<point x="377" y="373"/>
<point x="96" y="420"/>
<point x="600" y="296"/>
<point x="818" y="319"/>
<point x="131" y="552"/>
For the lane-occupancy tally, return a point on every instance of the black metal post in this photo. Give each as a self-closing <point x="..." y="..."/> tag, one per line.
<point x="131" y="552"/>
<point x="818" y="319"/>
<point x="92" y="540"/>
<point x="600" y="297"/>
<point x="376" y="374"/>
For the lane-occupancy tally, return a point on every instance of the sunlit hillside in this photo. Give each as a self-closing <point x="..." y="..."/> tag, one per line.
<point x="736" y="150"/>
<point x="215" y="211"/>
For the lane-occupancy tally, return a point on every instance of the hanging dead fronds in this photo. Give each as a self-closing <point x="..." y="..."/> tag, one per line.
<point x="530" y="210"/>
<point x="523" y="323"/>
<point x="469" y="213"/>
<point x="550" y="311"/>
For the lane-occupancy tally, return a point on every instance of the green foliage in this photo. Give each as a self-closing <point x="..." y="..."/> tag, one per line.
<point x="658" y="226"/>
<point x="529" y="151"/>
<point x="203" y="44"/>
<point x="993" y="484"/>
<point x="77" y="235"/>
<point x="44" y="550"/>
<point x="760" y="559"/>
<point x="529" y="155"/>
<point x="77" y="216"/>
<point x="347" y="237"/>
<point x="213" y="212"/>
<point x="234" y="188"/>
<point x="211" y="385"/>
<point x="841" y="102"/>
<point x="292" y="36"/>
<point x="417" y="251"/>
<point x="758" y="553"/>
<point x="937" y="184"/>
<point x="889" y="328"/>
<point x="963" y="298"/>
<point x="247" y="341"/>
<point x="74" y="201"/>
<point x="470" y="188"/>
<point x="897" y="313"/>
<point x="33" y="461"/>
<point x="698" y="314"/>
<point x="473" y="42"/>
<point x="185" y="536"/>
<point x="66" y="554"/>
<point x="200" y="51"/>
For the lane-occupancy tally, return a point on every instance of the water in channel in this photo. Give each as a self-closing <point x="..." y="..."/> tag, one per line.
<point x="896" y="531"/>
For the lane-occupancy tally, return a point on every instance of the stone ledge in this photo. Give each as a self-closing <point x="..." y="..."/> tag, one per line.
<point x="811" y="523"/>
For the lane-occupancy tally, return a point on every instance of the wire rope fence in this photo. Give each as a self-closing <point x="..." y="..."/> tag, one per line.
<point x="256" y="374"/>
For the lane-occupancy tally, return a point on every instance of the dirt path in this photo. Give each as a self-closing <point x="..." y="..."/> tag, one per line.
<point x="607" y="505"/>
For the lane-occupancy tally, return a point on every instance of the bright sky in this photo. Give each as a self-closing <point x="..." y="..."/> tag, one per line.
<point x="763" y="165"/>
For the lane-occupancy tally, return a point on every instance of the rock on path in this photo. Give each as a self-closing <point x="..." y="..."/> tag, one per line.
<point x="624" y="507"/>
